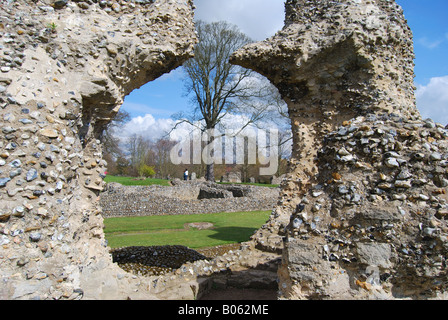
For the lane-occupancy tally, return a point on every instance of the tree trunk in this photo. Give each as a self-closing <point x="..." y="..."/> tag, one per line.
<point x="210" y="170"/>
<point x="210" y="174"/>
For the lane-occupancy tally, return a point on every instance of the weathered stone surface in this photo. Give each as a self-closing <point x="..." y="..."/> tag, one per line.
<point x="213" y="193"/>
<point x="66" y="67"/>
<point x="367" y="176"/>
<point x="375" y="254"/>
<point x="234" y="177"/>
<point x="367" y="181"/>
<point x="49" y="133"/>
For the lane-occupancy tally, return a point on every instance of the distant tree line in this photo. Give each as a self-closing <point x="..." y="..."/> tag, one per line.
<point x="140" y="156"/>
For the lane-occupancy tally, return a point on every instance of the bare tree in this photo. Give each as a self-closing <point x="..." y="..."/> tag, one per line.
<point x="211" y="79"/>
<point x="218" y="88"/>
<point x="138" y="148"/>
<point x="161" y="149"/>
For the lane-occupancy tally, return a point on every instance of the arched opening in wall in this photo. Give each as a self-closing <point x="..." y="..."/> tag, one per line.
<point x="159" y="118"/>
<point x="248" y="170"/>
<point x="161" y="131"/>
<point x="175" y="100"/>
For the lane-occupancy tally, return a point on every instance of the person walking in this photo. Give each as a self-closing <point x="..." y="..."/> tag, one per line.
<point x="186" y="174"/>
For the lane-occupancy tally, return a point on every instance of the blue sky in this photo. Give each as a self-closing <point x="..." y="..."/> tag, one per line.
<point x="428" y="20"/>
<point x="152" y="105"/>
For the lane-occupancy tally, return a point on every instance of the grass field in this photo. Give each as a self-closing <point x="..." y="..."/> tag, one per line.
<point x="132" y="181"/>
<point x="169" y="230"/>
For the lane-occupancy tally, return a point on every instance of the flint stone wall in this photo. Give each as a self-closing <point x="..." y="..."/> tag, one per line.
<point x="362" y="213"/>
<point x="185" y="198"/>
<point x="65" y="68"/>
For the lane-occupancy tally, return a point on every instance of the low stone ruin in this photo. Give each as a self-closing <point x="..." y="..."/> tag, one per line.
<point x="233" y="177"/>
<point x="214" y="193"/>
<point x="185" y="197"/>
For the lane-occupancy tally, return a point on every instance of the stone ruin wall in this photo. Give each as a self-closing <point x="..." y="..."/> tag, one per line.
<point x="184" y="198"/>
<point x="363" y="209"/>
<point x="367" y="181"/>
<point x="65" y="68"/>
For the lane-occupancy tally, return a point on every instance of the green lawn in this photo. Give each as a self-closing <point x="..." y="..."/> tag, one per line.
<point x="132" y="181"/>
<point x="169" y="230"/>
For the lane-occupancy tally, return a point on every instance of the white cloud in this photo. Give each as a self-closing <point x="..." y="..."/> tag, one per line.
<point x="147" y="127"/>
<point x="259" y="19"/>
<point x="152" y="128"/>
<point x="432" y="99"/>
<point x="429" y="44"/>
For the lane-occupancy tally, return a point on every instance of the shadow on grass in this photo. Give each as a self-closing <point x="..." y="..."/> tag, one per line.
<point x="232" y="234"/>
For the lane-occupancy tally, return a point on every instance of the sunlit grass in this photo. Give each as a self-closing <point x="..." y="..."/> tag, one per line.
<point x="132" y="181"/>
<point x="228" y="228"/>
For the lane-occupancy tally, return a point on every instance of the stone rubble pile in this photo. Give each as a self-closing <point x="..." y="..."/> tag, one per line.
<point x="159" y="259"/>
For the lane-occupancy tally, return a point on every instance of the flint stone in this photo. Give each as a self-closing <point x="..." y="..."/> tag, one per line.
<point x="31" y="175"/>
<point x="297" y="223"/>
<point x="59" y="4"/>
<point x="8" y="130"/>
<point x="49" y="133"/>
<point x="375" y="254"/>
<point x="35" y="237"/>
<point x="15" y="173"/>
<point x="380" y="214"/>
<point x="404" y="174"/>
<point x="403" y="184"/>
<point x="4" y="181"/>
<point x="436" y="156"/>
<point x="348" y="158"/>
<point x="343" y="190"/>
<point x="15" y="163"/>
<point x="392" y="163"/>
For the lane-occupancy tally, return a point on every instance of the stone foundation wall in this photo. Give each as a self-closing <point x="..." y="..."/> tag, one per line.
<point x="120" y="201"/>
